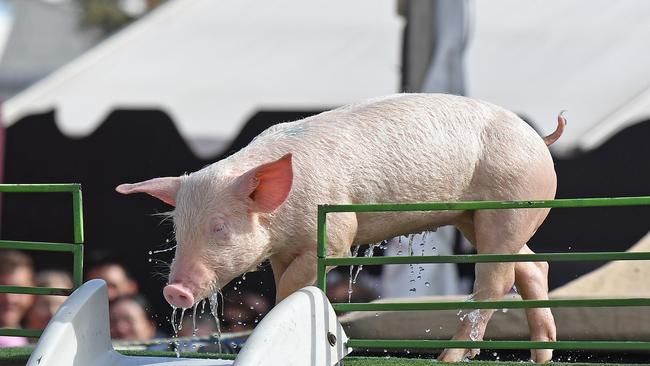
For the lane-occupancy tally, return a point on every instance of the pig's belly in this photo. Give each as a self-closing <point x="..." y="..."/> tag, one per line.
<point x="377" y="226"/>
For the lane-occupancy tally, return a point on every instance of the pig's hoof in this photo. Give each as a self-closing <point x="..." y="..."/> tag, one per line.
<point x="546" y="333"/>
<point x="457" y="354"/>
<point x="541" y="355"/>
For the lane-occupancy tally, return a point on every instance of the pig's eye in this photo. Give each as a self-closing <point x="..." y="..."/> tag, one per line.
<point x="218" y="228"/>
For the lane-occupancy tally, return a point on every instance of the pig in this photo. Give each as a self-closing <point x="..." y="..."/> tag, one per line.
<point x="261" y="202"/>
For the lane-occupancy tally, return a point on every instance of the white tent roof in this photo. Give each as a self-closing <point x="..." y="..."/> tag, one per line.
<point x="212" y="64"/>
<point x="591" y="57"/>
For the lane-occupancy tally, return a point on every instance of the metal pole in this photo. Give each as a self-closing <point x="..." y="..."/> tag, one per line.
<point x="321" y="270"/>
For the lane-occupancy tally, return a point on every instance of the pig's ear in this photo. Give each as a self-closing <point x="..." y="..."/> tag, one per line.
<point x="164" y="189"/>
<point x="268" y="185"/>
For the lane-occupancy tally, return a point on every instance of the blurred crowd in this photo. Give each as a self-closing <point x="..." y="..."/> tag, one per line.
<point x="130" y="313"/>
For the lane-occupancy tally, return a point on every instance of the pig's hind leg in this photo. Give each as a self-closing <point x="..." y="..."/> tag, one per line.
<point x="531" y="279"/>
<point x="495" y="232"/>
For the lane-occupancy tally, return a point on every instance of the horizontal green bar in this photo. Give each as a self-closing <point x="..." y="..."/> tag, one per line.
<point x="485" y="258"/>
<point x="478" y="205"/>
<point x="559" y="345"/>
<point x="35" y="290"/>
<point x="12" y="332"/>
<point x="491" y="304"/>
<point x="40" y="188"/>
<point x="34" y="245"/>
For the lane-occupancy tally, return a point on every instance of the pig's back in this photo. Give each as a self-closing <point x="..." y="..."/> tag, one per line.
<point x="401" y="148"/>
<point x="408" y="147"/>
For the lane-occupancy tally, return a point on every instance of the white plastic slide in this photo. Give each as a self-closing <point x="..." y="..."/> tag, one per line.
<point x="301" y="330"/>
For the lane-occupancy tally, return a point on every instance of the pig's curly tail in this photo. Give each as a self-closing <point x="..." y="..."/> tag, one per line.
<point x="561" y="122"/>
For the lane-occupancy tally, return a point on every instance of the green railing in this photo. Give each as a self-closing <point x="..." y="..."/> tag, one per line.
<point x="324" y="262"/>
<point x="76" y="248"/>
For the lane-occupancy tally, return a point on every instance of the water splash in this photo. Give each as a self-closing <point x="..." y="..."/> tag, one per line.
<point x="399" y="245"/>
<point x="368" y="253"/>
<point x="475" y="318"/>
<point x="194" y="328"/>
<point x="214" y="310"/>
<point x="424" y="240"/>
<point x="180" y="321"/>
<point x="410" y="244"/>
<point x="409" y="252"/>
<point x="175" y="343"/>
<point x="353" y="253"/>
<point x="152" y="252"/>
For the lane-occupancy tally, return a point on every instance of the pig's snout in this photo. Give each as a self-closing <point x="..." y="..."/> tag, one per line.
<point x="178" y="295"/>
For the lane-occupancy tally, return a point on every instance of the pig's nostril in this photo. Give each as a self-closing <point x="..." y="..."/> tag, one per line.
<point x="179" y="296"/>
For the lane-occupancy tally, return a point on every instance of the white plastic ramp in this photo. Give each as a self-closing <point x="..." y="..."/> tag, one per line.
<point x="301" y="330"/>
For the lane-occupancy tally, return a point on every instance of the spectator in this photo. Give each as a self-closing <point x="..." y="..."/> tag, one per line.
<point x="45" y="306"/>
<point x="118" y="279"/>
<point x="17" y="269"/>
<point x="130" y="319"/>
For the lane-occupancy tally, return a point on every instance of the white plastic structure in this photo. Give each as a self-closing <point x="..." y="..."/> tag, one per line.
<point x="301" y="330"/>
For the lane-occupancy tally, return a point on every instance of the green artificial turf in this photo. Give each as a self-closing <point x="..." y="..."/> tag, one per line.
<point x="19" y="356"/>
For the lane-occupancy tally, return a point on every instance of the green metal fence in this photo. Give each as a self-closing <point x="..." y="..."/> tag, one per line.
<point x="324" y="262"/>
<point x="76" y="247"/>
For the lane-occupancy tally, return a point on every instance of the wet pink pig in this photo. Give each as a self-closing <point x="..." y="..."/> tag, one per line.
<point x="260" y="203"/>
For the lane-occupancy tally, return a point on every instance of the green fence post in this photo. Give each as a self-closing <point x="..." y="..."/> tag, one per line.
<point x="77" y="211"/>
<point x="321" y="270"/>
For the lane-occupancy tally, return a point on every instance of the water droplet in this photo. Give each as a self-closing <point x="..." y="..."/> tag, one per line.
<point x="427" y="330"/>
<point x="427" y="284"/>
<point x="413" y="290"/>
<point x="150" y="252"/>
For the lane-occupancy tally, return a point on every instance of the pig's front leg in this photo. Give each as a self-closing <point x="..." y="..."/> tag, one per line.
<point x="298" y="269"/>
<point x="292" y="274"/>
